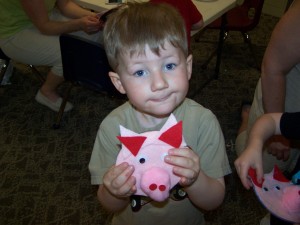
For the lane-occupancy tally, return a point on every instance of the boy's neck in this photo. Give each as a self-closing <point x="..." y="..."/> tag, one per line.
<point x="149" y="121"/>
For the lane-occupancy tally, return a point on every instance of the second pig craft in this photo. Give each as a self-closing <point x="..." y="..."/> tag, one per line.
<point x="146" y="152"/>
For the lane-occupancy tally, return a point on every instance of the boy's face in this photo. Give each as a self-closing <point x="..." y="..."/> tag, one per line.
<point x="154" y="84"/>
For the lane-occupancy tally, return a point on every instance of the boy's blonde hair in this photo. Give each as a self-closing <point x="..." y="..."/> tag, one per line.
<point x="135" y="25"/>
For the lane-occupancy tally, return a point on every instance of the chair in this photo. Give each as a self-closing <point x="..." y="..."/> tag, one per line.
<point x="4" y="64"/>
<point x="6" y="60"/>
<point x="84" y="64"/>
<point x="242" y="18"/>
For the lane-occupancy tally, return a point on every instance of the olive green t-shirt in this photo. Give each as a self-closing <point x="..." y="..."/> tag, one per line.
<point x="201" y="132"/>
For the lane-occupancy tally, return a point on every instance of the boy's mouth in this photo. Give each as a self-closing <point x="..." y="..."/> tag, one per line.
<point x="160" y="99"/>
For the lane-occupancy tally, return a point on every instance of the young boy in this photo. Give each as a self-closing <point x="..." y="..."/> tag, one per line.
<point x="147" y="48"/>
<point x="287" y="124"/>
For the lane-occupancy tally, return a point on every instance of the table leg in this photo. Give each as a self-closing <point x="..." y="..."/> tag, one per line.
<point x="220" y="45"/>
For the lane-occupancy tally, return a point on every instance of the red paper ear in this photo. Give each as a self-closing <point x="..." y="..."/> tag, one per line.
<point x="252" y="175"/>
<point x="173" y="136"/>
<point x="278" y="175"/>
<point x="133" y="144"/>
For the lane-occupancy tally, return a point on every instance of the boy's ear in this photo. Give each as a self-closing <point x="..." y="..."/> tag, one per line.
<point x="115" y="79"/>
<point x="189" y="65"/>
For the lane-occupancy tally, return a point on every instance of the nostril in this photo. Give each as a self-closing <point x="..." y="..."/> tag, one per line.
<point x="162" y="187"/>
<point x="152" y="187"/>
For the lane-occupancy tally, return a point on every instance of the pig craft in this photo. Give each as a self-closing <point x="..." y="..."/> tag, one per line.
<point x="278" y="194"/>
<point x="146" y="152"/>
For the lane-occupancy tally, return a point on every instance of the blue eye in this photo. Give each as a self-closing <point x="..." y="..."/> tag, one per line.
<point x="140" y="73"/>
<point x="170" y="66"/>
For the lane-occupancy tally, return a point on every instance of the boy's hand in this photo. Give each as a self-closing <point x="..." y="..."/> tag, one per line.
<point x="119" y="180"/>
<point x="186" y="165"/>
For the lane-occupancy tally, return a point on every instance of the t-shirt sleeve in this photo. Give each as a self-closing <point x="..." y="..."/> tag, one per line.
<point x="203" y="134"/>
<point x="105" y="151"/>
<point x="213" y="156"/>
<point x="290" y="125"/>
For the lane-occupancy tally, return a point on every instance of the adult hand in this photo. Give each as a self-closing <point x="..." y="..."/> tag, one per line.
<point x="102" y="23"/>
<point x="90" y="24"/>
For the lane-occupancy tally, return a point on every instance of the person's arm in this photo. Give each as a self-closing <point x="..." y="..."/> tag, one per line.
<point x="110" y="202"/>
<point x="281" y="55"/>
<point x="198" y="25"/>
<point x="72" y="10"/>
<point x="207" y="193"/>
<point x="265" y="126"/>
<point x="37" y="13"/>
<point x="196" y="16"/>
<point x="118" y="185"/>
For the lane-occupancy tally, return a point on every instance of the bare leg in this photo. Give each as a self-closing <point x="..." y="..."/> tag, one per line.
<point x="49" y="88"/>
<point x="245" y="117"/>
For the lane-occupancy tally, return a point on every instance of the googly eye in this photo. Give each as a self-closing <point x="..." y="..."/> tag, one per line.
<point x="142" y="159"/>
<point x="277" y="187"/>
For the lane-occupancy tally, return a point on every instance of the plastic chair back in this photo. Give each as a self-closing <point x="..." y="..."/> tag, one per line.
<point x="3" y="56"/>
<point x="242" y="18"/>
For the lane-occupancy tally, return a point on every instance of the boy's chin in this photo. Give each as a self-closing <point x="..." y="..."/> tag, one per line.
<point x="161" y="113"/>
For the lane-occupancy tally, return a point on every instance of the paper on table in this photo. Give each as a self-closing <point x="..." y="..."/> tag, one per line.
<point x="206" y="0"/>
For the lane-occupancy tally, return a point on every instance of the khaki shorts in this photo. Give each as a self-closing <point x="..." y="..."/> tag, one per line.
<point x="29" y="46"/>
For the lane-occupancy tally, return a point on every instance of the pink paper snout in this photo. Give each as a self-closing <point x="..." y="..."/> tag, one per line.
<point x="291" y="199"/>
<point x="156" y="182"/>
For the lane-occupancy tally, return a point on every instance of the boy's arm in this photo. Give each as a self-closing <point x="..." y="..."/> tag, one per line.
<point x="207" y="193"/>
<point x="266" y="126"/>
<point x="110" y="202"/>
<point x="118" y="185"/>
<point x="204" y="191"/>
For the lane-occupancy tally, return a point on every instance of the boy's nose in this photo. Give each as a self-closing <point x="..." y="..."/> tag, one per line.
<point x="159" y="81"/>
